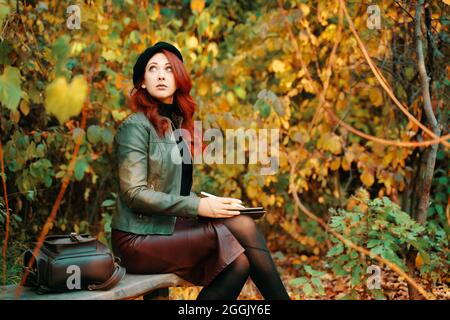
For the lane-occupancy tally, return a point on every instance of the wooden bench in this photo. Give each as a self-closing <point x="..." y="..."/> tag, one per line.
<point x="154" y="286"/>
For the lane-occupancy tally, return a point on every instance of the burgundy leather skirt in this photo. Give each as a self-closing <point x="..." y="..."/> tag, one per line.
<point x="197" y="251"/>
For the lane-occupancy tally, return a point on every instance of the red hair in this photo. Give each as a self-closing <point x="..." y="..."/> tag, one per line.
<point x="141" y="100"/>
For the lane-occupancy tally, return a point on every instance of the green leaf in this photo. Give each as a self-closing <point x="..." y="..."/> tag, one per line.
<point x="354" y="255"/>
<point x="107" y="135"/>
<point x="35" y="169"/>
<point x="142" y="18"/>
<point x="240" y="92"/>
<point x="313" y="272"/>
<point x="299" y="281"/>
<point x="391" y="256"/>
<point x="94" y="134"/>
<point x="440" y="210"/>
<point x="17" y="218"/>
<point x="80" y="168"/>
<point x="318" y="284"/>
<point x="5" y="49"/>
<point x="430" y="211"/>
<point x="77" y="132"/>
<point x="108" y="203"/>
<point x="278" y="255"/>
<point x="308" y="290"/>
<point x="378" y="294"/>
<point x="134" y="37"/>
<point x="10" y="91"/>
<point x="336" y="250"/>
<point x="356" y="275"/>
<point x="443" y="180"/>
<point x="31" y="151"/>
<point x="353" y="295"/>
<point x="202" y="26"/>
<point x="441" y="197"/>
<point x="4" y="11"/>
<point x="377" y="250"/>
<point x="372" y="243"/>
<point x="48" y="181"/>
<point x="60" y="52"/>
<point x="40" y="150"/>
<point x="263" y="107"/>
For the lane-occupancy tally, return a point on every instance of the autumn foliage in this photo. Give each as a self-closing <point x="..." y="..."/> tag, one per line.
<point x="363" y="170"/>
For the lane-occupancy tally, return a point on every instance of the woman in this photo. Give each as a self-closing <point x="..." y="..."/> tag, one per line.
<point x="160" y="226"/>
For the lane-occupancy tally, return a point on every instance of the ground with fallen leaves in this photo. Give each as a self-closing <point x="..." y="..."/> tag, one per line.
<point x="336" y="287"/>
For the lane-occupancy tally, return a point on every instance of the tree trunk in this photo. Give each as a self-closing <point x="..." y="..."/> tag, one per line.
<point x="428" y="161"/>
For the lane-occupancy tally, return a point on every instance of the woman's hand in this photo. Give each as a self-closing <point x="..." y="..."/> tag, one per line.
<point x="218" y="207"/>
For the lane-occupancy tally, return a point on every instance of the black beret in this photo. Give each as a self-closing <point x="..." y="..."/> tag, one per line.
<point x="141" y="63"/>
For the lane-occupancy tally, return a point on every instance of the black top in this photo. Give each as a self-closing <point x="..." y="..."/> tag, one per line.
<point x="168" y="110"/>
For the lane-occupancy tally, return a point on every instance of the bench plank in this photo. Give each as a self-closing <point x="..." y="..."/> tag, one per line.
<point x="132" y="285"/>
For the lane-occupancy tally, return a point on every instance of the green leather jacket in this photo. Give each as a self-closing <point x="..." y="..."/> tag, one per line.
<point x="149" y="200"/>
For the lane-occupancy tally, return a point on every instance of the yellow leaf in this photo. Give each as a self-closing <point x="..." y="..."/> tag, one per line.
<point x="362" y="194"/>
<point x="409" y="73"/>
<point x="388" y="158"/>
<point x="15" y="116"/>
<point x="109" y="55"/>
<point x="376" y="97"/>
<point x="197" y="5"/>
<point x="203" y="87"/>
<point x="367" y="178"/>
<point x="388" y="182"/>
<point x="349" y="156"/>
<point x="155" y="13"/>
<point x="351" y="203"/>
<point x="118" y="115"/>
<point x="24" y="107"/>
<point x="63" y="100"/>
<point x="231" y="98"/>
<point x="419" y="261"/>
<point x="271" y="219"/>
<point x="192" y="42"/>
<point x="305" y="9"/>
<point x="272" y="199"/>
<point x="224" y="106"/>
<point x="329" y="33"/>
<point x="212" y="47"/>
<point x="278" y="66"/>
<point x="252" y="192"/>
<point x="121" y="82"/>
<point x="308" y="86"/>
<point x="332" y="144"/>
<point x="76" y="48"/>
<point x="335" y="164"/>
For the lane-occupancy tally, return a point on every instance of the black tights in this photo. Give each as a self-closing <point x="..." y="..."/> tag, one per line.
<point x="255" y="262"/>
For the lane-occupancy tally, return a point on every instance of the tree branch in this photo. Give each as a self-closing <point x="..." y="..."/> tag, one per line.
<point x="424" y="78"/>
<point x="383" y="82"/>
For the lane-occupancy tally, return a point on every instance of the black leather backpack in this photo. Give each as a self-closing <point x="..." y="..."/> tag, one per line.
<point x="72" y="262"/>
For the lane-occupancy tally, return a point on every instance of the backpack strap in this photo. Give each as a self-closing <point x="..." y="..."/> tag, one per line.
<point x="118" y="274"/>
<point x="33" y="272"/>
